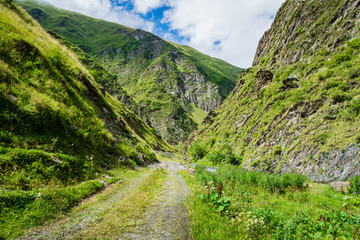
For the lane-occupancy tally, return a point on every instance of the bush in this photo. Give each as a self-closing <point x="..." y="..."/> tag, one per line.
<point x="354" y="185"/>
<point x="197" y="151"/>
<point x="224" y="154"/>
<point x="339" y="84"/>
<point x="321" y="138"/>
<point x="204" y="177"/>
<point x="339" y="97"/>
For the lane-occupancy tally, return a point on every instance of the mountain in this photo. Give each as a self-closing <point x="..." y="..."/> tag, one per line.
<point x="172" y="87"/>
<point x="57" y="123"/>
<point x="297" y="108"/>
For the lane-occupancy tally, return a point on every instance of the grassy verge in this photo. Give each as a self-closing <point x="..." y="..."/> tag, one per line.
<point x="23" y="209"/>
<point x="224" y="207"/>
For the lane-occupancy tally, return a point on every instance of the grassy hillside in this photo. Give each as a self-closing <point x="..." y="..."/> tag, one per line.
<point x="91" y="35"/>
<point x="58" y="126"/>
<point x="297" y="108"/>
<point x="164" y="80"/>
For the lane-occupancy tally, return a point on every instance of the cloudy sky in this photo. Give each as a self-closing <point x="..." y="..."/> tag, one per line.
<point x="226" y="29"/>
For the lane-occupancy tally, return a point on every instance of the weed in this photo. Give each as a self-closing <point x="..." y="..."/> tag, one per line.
<point x="354" y="185"/>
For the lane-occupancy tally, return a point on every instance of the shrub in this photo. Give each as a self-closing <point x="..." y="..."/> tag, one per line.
<point x="321" y="138"/>
<point x="339" y="97"/>
<point x="204" y="177"/>
<point x="339" y="84"/>
<point x="354" y="185"/>
<point x="197" y="151"/>
<point x="355" y="106"/>
<point x="224" y="154"/>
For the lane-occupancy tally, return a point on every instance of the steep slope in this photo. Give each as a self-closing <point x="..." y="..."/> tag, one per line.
<point x="297" y="108"/>
<point x="57" y="123"/>
<point x="173" y="86"/>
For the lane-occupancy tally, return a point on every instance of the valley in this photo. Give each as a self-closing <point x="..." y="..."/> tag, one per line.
<point x="171" y="87"/>
<point x="112" y="132"/>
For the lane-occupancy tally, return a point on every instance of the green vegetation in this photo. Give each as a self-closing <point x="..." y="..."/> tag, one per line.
<point x="23" y="209"/>
<point x="355" y="185"/>
<point x="196" y="151"/>
<point x="198" y="114"/>
<point x="233" y="204"/>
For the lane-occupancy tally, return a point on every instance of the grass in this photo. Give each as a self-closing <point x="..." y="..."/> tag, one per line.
<point x="198" y="114"/>
<point x="21" y="210"/>
<point x="256" y="212"/>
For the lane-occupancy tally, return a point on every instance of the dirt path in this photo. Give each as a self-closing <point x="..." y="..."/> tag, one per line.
<point x="162" y="217"/>
<point x="167" y="217"/>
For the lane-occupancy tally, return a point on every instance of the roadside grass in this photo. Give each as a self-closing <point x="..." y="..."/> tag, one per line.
<point x="127" y="215"/>
<point x="21" y="210"/>
<point x="247" y="211"/>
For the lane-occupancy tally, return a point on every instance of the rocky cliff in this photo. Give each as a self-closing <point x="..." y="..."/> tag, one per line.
<point x="172" y="87"/>
<point x="297" y="108"/>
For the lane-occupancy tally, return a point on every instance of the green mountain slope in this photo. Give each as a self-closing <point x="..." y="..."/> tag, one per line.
<point x="297" y="108"/>
<point x="171" y="86"/>
<point x="52" y="107"/>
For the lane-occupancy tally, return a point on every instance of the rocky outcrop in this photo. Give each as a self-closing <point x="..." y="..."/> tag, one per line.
<point x="263" y="78"/>
<point x="302" y="28"/>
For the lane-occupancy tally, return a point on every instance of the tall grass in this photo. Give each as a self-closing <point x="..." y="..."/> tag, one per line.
<point x="237" y="176"/>
<point x="255" y="205"/>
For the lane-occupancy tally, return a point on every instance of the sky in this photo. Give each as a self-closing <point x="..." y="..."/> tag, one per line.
<point x="225" y="29"/>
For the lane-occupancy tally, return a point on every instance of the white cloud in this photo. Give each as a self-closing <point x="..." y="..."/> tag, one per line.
<point x="235" y="25"/>
<point x="103" y="9"/>
<point x="144" y="6"/>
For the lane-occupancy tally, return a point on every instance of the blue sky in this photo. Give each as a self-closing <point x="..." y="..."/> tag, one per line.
<point x="226" y="29"/>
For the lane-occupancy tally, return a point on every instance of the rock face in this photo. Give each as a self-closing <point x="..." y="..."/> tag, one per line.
<point x="169" y="86"/>
<point x="302" y="28"/>
<point x="297" y="108"/>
